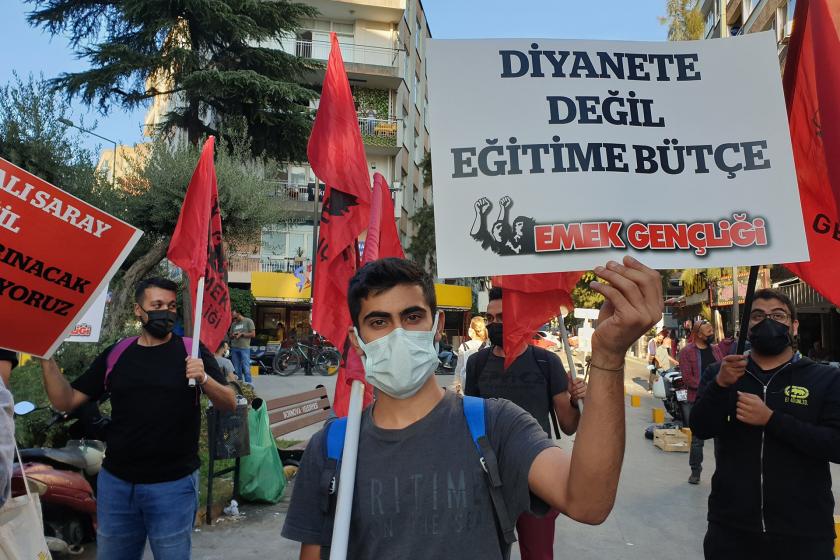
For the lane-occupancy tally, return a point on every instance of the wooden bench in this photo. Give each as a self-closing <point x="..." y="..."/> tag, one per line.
<point x="288" y="414"/>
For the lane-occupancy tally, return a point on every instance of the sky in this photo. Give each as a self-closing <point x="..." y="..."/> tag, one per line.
<point x="26" y="50"/>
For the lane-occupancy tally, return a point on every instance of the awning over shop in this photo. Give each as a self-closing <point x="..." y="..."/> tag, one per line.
<point x="278" y="286"/>
<point x="450" y="296"/>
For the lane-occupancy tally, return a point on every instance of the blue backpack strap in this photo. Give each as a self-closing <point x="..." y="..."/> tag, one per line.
<point x="474" y="413"/>
<point x="335" y="438"/>
<point x="114" y="355"/>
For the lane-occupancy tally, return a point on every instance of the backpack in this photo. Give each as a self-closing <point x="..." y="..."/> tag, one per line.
<point x="474" y="415"/>
<point x="484" y="355"/>
<point x="120" y="347"/>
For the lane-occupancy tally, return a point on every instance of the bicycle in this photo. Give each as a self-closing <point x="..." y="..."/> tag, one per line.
<point x="323" y="360"/>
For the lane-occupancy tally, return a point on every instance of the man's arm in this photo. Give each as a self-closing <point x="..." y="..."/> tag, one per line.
<point x="8" y="362"/>
<point x="690" y="374"/>
<point x="62" y="396"/>
<point x="310" y="551"/>
<point x="584" y="485"/>
<point x="205" y="370"/>
<point x="568" y="415"/>
<point x="7" y="442"/>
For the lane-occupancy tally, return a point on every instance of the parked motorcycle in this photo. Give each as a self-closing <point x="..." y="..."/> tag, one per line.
<point x="65" y="478"/>
<point x="673" y="392"/>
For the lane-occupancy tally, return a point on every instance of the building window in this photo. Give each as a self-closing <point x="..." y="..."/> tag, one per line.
<point x="415" y="91"/>
<point x="418" y="36"/>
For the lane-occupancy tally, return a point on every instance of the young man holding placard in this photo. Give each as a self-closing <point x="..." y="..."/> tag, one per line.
<point x="436" y="472"/>
<point x="148" y="485"/>
<point x="776" y="419"/>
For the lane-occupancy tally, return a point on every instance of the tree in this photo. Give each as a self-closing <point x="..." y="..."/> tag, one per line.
<point x="32" y="138"/>
<point x="584" y="296"/>
<point x="422" y="243"/>
<point x="208" y="59"/>
<point x="684" y="20"/>
<point x="158" y="184"/>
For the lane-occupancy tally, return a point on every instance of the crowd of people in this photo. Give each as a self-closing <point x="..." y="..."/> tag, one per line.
<point x="468" y="472"/>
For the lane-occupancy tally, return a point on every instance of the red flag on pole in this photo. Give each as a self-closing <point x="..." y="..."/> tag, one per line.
<point x="812" y="91"/>
<point x="528" y="302"/>
<point x="337" y="155"/>
<point x="193" y="242"/>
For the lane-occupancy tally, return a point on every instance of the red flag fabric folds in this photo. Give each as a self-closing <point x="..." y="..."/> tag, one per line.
<point x="528" y="302"/>
<point x="196" y="247"/>
<point x="812" y="91"/>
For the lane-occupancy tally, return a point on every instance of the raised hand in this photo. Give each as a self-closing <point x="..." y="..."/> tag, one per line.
<point x="732" y="368"/>
<point x="483" y="206"/>
<point x="506" y="202"/>
<point x="633" y="305"/>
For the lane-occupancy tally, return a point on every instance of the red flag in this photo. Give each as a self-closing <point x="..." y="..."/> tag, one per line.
<point x="382" y="241"/>
<point x="337" y="155"/>
<point x="198" y="252"/>
<point x="528" y="302"/>
<point x="812" y="91"/>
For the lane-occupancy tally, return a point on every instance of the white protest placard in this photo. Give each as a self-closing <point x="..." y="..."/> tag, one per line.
<point x="89" y="327"/>
<point x="555" y="155"/>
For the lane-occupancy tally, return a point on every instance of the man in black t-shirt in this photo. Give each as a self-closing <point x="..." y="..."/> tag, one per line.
<point x="148" y="485"/>
<point x="537" y="382"/>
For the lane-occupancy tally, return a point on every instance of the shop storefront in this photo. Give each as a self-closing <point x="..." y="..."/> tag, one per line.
<point x="282" y="304"/>
<point x="456" y="302"/>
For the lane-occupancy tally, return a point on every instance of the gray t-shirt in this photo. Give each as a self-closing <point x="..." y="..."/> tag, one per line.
<point x="225" y="365"/>
<point x="420" y="492"/>
<point x="246" y="325"/>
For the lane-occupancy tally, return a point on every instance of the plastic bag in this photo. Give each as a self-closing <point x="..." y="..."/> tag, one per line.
<point x="261" y="477"/>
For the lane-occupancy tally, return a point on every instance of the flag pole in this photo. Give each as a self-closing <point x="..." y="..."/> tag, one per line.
<point x="745" y="313"/>
<point x="196" y="335"/>
<point x="570" y="357"/>
<point x="347" y="476"/>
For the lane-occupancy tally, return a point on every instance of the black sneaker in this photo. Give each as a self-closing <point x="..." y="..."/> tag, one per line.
<point x="694" y="478"/>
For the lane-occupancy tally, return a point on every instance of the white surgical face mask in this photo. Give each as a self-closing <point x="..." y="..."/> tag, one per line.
<point x="399" y="363"/>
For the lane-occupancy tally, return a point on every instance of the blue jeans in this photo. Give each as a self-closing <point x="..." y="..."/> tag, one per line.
<point x="129" y="513"/>
<point x="241" y="358"/>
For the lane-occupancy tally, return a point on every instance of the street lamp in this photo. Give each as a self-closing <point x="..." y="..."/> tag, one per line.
<point x="68" y="122"/>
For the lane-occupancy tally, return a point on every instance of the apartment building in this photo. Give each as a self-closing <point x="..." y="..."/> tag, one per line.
<point x="819" y="319"/>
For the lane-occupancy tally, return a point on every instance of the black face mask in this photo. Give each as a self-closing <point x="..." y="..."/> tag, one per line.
<point x="160" y="323"/>
<point x="496" y="334"/>
<point x="769" y="337"/>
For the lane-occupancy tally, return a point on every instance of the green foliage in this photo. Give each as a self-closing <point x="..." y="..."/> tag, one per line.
<point x="242" y="301"/>
<point x="32" y="138"/>
<point x="584" y="296"/>
<point x="684" y="20"/>
<point x="202" y="57"/>
<point x="426" y="169"/>
<point x="376" y="99"/>
<point x="422" y="243"/>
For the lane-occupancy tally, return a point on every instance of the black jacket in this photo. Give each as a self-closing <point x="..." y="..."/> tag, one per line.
<point x="774" y="479"/>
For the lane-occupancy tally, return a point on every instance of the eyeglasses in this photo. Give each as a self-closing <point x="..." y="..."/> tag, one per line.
<point x="778" y="316"/>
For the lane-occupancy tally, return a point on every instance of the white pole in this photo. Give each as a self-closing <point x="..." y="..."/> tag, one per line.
<point x="564" y="334"/>
<point x="347" y="476"/>
<point x="196" y="335"/>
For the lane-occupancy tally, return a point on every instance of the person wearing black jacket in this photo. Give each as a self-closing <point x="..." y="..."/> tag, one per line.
<point x="776" y="417"/>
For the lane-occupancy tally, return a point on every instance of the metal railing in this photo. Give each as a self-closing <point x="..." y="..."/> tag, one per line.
<point x="350" y="52"/>
<point x="297" y="191"/>
<point x="262" y="263"/>
<point x="379" y="132"/>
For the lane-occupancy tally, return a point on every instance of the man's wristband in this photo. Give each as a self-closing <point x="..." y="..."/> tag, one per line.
<point x="613" y="370"/>
<point x="204" y="381"/>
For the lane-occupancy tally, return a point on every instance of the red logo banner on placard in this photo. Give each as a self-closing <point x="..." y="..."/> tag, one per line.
<point x="56" y="254"/>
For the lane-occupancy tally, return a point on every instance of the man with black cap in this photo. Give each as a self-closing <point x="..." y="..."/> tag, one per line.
<point x="776" y="417"/>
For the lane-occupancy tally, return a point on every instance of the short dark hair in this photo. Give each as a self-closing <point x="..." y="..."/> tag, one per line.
<point x="495" y="293"/>
<point x="769" y="293"/>
<point x="156" y="282"/>
<point x="382" y="275"/>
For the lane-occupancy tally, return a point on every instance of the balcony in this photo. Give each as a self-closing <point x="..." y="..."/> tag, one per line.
<point x="298" y="198"/>
<point x="372" y="65"/>
<point x="380" y="135"/>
